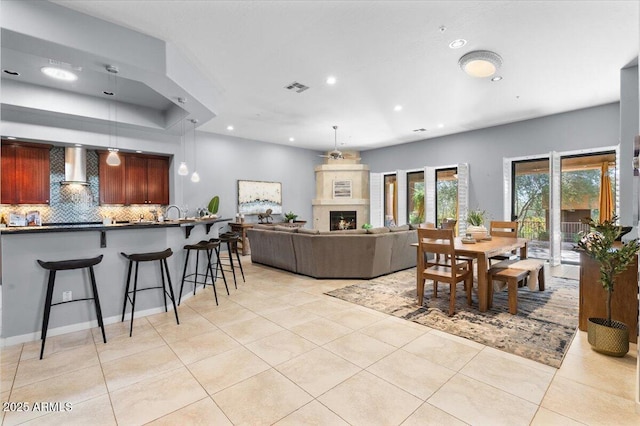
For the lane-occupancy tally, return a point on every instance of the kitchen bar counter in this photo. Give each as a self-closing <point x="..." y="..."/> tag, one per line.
<point x="24" y="282"/>
<point x="95" y="226"/>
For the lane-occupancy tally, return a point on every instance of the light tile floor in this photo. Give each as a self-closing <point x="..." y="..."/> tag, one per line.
<point x="278" y="351"/>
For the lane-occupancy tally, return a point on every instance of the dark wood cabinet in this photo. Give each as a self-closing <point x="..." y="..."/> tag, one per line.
<point x="593" y="298"/>
<point x="25" y="173"/>
<point x="140" y="179"/>
<point x="111" y="181"/>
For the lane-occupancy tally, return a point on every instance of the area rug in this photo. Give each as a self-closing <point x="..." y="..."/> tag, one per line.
<point x="542" y="330"/>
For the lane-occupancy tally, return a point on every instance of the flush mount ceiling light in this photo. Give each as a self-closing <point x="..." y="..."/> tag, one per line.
<point x="59" y="74"/>
<point x="331" y="80"/>
<point x="480" y="63"/>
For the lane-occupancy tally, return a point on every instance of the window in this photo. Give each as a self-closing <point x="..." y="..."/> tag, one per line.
<point x="415" y="197"/>
<point x="390" y="200"/>
<point x="446" y="194"/>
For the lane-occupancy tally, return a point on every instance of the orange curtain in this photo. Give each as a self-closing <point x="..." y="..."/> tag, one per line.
<point x="606" y="201"/>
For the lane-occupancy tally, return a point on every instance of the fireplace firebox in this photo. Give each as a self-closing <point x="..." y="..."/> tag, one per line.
<point x="341" y="220"/>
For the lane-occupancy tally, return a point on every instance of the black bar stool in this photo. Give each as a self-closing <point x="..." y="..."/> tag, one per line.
<point x="209" y="247"/>
<point x="161" y="257"/>
<point x="62" y="265"/>
<point x="231" y="239"/>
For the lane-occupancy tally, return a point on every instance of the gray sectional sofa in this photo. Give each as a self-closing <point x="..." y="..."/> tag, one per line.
<point x="337" y="254"/>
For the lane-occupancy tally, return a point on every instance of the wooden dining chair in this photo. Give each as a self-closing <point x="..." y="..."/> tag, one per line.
<point x="440" y="243"/>
<point x="503" y="229"/>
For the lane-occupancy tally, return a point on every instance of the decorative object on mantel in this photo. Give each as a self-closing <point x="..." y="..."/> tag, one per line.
<point x="290" y="217"/>
<point x="605" y="335"/>
<point x="476" y="228"/>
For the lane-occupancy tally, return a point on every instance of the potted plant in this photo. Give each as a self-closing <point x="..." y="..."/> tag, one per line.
<point x="290" y="217"/>
<point x="604" y="334"/>
<point x="475" y="222"/>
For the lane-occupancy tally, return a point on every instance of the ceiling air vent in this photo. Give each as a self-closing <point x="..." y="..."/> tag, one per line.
<point x="298" y="87"/>
<point x="420" y="130"/>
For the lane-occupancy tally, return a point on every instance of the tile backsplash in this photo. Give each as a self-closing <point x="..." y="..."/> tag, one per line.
<point x="77" y="203"/>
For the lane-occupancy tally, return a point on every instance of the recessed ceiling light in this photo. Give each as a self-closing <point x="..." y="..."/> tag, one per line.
<point x="59" y="74"/>
<point x="457" y="44"/>
<point x="397" y="108"/>
<point x="229" y="128"/>
<point x="440" y="126"/>
<point x="139" y="152"/>
<point x="11" y="138"/>
<point x="331" y="80"/>
<point x="78" y="144"/>
<point x="11" y="72"/>
<point x="497" y="78"/>
<point x="291" y="139"/>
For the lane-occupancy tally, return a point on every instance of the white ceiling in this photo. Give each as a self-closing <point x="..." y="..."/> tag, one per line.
<point x="558" y="56"/>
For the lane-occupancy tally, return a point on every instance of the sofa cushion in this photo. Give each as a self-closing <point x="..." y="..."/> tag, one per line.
<point x="381" y="230"/>
<point x="308" y="231"/>
<point x="398" y="228"/>
<point x="285" y="228"/>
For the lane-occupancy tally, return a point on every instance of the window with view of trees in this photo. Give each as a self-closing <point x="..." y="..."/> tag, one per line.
<point x="446" y="194"/>
<point x="415" y="198"/>
<point x="390" y="200"/>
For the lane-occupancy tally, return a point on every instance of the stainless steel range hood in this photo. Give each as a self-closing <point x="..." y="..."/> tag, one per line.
<point x="75" y="166"/>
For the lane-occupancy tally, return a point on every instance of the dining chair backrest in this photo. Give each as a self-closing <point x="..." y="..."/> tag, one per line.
<point x="503" y="229"/>
<point x="427" y="225"/>
<point x="438" y="242"/>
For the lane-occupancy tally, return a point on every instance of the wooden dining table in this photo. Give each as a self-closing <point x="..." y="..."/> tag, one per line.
<point x="482" y="251"/>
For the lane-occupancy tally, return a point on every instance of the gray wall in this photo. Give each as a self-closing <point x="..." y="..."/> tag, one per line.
<point x="484" y="149"/>
<point x="222" y="160"/>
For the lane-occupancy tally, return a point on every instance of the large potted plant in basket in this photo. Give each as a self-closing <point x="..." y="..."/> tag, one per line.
<point x="475" y="222"/>
<point x="605" y="335"/>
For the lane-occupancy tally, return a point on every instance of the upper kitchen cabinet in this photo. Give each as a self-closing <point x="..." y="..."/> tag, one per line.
<point x="25" y="173"/>
<point x="139" y="179"/>
<point x="111" y="181"/>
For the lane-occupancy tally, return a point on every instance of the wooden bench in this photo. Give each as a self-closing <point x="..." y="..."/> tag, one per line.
<point x="502" y="272"/>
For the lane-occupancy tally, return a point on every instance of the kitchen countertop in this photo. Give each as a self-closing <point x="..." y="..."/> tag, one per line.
<point x="94" y="226"/>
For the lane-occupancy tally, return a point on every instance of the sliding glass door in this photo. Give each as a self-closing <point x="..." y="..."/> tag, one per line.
<point x="446" y="194"/>
<point x="390" y="200"/>
<point x="415" y="197"/>
<point x="530" y="203"/>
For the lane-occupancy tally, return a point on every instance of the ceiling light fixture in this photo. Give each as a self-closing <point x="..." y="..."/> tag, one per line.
<point x="331" y="80"/>
<point x="195" y="177"/>
<point x="480" y="63"/>
<point x="397" y="108"/>
<point x="59" y="74"/>
<point x="183" y="170"/>
<point x="229" y="128"/>
<point x="11" y="138"/>
<point x="113" y="159"/>
<point x="291" y="139"/>
<point x="457" y="44"/>
<point x="497" y="78"/>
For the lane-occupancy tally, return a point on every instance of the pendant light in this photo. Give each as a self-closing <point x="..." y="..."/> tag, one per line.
<point x="113" y="159"/>
<point x="183" y="170"/>
<point x="195" y="177"/>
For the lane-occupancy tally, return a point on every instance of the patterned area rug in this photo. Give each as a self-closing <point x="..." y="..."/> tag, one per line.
<point x="542" y="330"/>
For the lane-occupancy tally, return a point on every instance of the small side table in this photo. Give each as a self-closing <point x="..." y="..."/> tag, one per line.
<point x="241" y="228"/>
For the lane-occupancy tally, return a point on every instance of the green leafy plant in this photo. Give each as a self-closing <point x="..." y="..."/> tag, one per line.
<point x="214" y="204"/>
<point x="367" y="226"/>
<point x="476" y="217"/>
<point x="598" y="244"/>
<point x="290" y="216"/>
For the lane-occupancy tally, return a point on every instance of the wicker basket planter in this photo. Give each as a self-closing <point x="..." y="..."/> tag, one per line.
<point x="609" y="340"/>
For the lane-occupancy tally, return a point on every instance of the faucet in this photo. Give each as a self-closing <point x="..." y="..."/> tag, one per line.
<point x="166" y="213"/>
